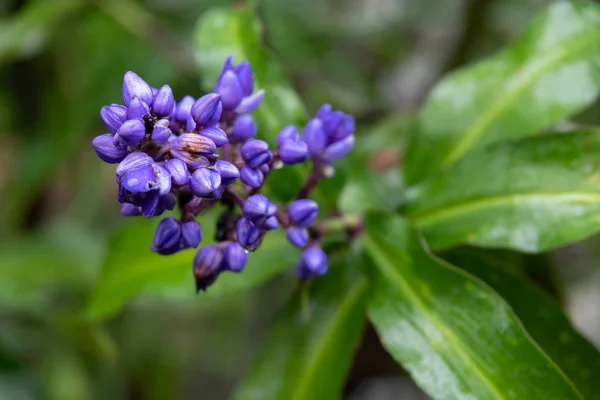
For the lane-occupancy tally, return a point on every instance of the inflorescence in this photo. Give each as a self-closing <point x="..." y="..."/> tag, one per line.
<point x="195" y="152"/>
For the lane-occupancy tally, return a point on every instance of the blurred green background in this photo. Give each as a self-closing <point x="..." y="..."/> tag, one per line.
<point x="62" y="60"/>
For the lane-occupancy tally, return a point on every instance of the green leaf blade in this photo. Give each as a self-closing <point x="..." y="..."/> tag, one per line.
<point x="550" y="73"/>
<point x="530" y="195"/>
<point x="455" y="335"/>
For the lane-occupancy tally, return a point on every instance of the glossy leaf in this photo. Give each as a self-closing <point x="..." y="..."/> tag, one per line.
<point x="310" y="347"/>
<point x="455" y="335"/>
<point x="540" y="315"/>
<point x="530" y="195"/>
<point x="131" y="269"/>
<point x="550" y="73"/>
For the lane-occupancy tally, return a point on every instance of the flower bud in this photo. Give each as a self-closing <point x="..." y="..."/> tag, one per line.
<point x="250" y="103"/>
<point x="247" y="234"/>
<point x="288" y="133"/>
<point x="234" y="257"/>
<point x="133" y="161"/>
<point x="303" y="212"/>
<point x="130" y="133"/>
<point x="207" y="266"/>
<point x="192" y="148"/>
<point x="107" y="151"/>
<point x="137" y="109"/>
<point x="217" y="135"/>
<point x="244" y="128"/>
<point x="139" y="180"/>
<point x="163" y="103"/>
<point x="257" y="208"/>
<point x="256" y="153"/>
<point x="163" y="179"/>
<point x="252" y="177"/>
<point x="113" y="116"/>
<point x="160" y="135"/>
<point x="178" y="170"/>
<point x="229" y="172"/>
<point x="167" y="237"/>
<point x="191" y="235"/>
<point x="297" y="236"/>
<point x="149" y="203"/>
<point x="207" y="109"/>
<point x="337" y="150"/>
<point x="183" y="110"/>
<point x="130" y="210"/>
<point x="134" y="86"/>
<point x="243" y="71"/>
<point x="293" y="152"/>
<point x="271" y="224"/>
<point x="228" y="86"/>
<point x="205" y="183"/>
<point x="314" y="137"/>
<point x="313" y="262"/>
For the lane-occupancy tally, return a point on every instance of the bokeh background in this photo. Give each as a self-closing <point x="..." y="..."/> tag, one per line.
<point x="61" y="60"/>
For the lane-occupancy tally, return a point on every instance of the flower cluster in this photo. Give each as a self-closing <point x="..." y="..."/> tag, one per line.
<point x="197" y="153"/>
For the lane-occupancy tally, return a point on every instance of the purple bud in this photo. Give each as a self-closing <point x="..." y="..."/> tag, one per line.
<point x="256" y="153"/>
<point x="163" y="179"/>
<point x="207" y="266"/>
<point x="137" y="109"/>
<point x="167" y="202"/>
<point x="150" y="203"/>
<point x="229" y="172"/>
<point x="248" y="235"/>
<point x="160" y="135"/>
<point x="183" y="110"/>
<point x="324" y="111"/>
<point x="264" y="169"/>
<point x="257" y="208"/>
<point x="313" y="262"/>
<point x="107" y="151"/>
<point x="167" y="236"/>
<point x="271" y="224"/>
<point x="297" y="236"/>
<point x="252" y="177"/>
<point x="192" y="148"/>
<point x="293" y="152"/>
<point x="163" y="103"/>
<point x="130" y="210"/>
<point x="134" y="86"/>
<point x="303" y="212"/>
<point x="250" y="103"/>
<point x="244" y="128"/>
<point x="207" y="109"/>
<point x="178" y="170"/>
<point x="139" y="180"/>
<point x="235" y="257"/>
<point x="228" y="86"/>
<point x="130" y="133"/>
<point x="288" y="133"/>
<point x="337" y="150"/>
<point x="191" y="235"/>
<point x="205" y="182"/>
<point x="244" y="73"/>
<point x="217" y="135"/>
<point x="314" y="137"/>
<point x="113" y="116"/>
<point x="132" y="162"/>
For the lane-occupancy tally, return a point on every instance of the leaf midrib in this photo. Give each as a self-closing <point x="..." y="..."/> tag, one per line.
<point x="437" y="214"/>
<point x="545" y="61"/>
<point x="389" y="270"/>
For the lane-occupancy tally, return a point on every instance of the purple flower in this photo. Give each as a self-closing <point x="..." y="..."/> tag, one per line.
<point x="250" y="103"/>
<point x="134" y="86"/>
<point x="330" y="135"/>
<point x="113" y="116"/>
<point x="133" y="161"/>
<point x="256" y="153"/>
<point x="257" y="208"/>
<point x="235" y="85"/>
<point x="303" y="212"/>
<point x="252" y="177"/>
<point x="313" y="262"/>
<point x="217" y="135"/>
<point x="229" y="172"/>
<point x="178" y="170"/>
<point x="130" y="210"/>
<point x="314" y="137"/>
<point x="271" y="224"/>
<point x="338" y="149"/>
<point x="161" y="132"/>
<point x="137" y="109"/>
<point x="297" y="236"/>
<point x="183" y="111"/>
<point x="244" y="128"/>
<point x="234" y="257"/>
<point x="147" y="178"/>
<point x="107" y="151"/>
<point x="293" y="151"/>
<point x="206" y="183"/>
<point x="207" y="266"/>
<point x="191" y="234"/>
<point x="130" y="133"/>
<point x="167" y="237"/>
<point x="288" y="133"/>
<point x="248" y="234"/>
<point x="207" y="110"/>
<point x="163" y="103"/>
<point x="193" y="149"/>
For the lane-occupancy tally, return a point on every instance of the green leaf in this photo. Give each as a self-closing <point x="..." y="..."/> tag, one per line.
<point x="131" y="269"/>
<point x="310" y="347"/>
<point x="552" y="72"/>
<point x="454" y="334"/>
<point x="530" y="195"/>
<point x="541" y="316"/>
